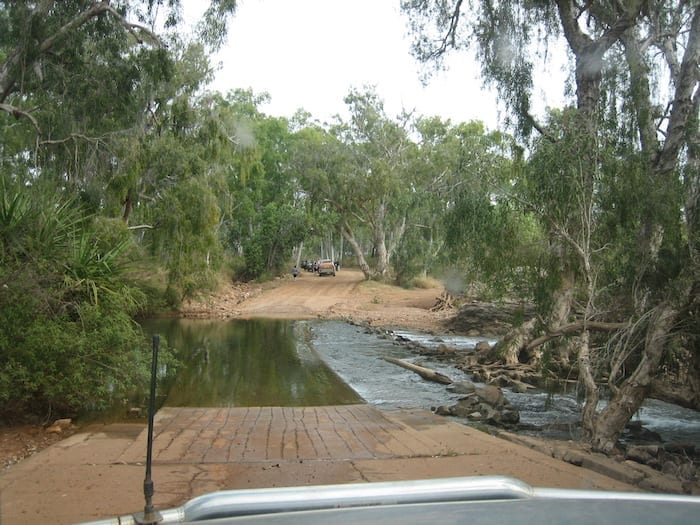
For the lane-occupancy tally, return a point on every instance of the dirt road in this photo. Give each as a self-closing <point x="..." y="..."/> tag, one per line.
<point x="346" y="296"/>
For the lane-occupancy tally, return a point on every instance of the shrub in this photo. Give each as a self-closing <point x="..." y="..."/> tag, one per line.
<point x="426" y="283"/>
<point x="67" y="336"/>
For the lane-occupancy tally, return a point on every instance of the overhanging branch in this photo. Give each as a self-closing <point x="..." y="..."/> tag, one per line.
<point x="19" y="113"/>
<point x="450" y="38"/>
<point x="535" y="124"/>
<point x="574" y="328"/>
<point x="14" y="57"/>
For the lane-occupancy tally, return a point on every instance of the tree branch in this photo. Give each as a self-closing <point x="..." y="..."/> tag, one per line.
<point x="539" y="128"/>
<point x="14" y="57"/>
<point x="582" y="44"/>
<point x="18" y="113"/>
<point x="574" y="328"/>
<point x="686" y="85"/>
<point x="72" y="136"/>
<point x="450" y="37"/>
<point x="94" y="11"/>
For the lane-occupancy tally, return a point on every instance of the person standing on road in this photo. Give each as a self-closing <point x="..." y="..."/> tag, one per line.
<point x="295" y="272"/>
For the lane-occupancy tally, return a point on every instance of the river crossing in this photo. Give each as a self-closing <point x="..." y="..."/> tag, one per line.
<point x="313" y="363"/>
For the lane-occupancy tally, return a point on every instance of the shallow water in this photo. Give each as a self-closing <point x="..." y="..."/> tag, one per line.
<point x="297" y="363"/>
<point x="247" y="363"/>
<point x="355" y="356"/>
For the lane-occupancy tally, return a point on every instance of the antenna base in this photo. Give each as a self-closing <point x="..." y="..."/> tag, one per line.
<point x="148" y="517"/>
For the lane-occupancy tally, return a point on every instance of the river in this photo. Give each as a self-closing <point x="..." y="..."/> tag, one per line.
<point x="297" y="363"/>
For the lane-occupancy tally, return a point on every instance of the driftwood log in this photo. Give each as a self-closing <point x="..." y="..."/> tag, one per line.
<point x="425" y="373"/>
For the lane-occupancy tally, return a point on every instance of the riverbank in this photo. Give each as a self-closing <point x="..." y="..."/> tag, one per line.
<point x="346" y="297"/>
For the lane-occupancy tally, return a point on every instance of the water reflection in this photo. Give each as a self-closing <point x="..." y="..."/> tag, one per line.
<point x="272" y="363"/>
<point x="247" y="363"/>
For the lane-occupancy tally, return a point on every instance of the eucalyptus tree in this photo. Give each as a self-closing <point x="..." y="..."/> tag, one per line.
<point x="433" y="173"/>
<point x="373" y="191"/>
<point x="460" y="169"/>
<point x="171" y="110"/>
<point x="316" y="158"/>
<point x="81" y="93"/>
<point x="77" y="71"/>
<point x="103" y="85"/>
<point x="353" y="179"/>
<point x="87" y="80"/>
<point x="634" y="69"/>
<point x="261" y="219"/>
<point x="168" y="175"/>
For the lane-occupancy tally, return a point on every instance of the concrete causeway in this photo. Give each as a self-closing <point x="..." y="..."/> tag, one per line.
<point x="278" y="434"/>
<point x="99" y="472"/>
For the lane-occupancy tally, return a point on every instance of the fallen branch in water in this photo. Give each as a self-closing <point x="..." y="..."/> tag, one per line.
<point x="425" y="373"/>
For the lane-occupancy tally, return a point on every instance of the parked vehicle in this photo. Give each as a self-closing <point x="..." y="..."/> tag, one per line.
<point x="326" y="267"/>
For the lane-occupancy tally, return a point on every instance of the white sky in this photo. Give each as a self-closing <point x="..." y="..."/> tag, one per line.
<point x="309" y="53"/>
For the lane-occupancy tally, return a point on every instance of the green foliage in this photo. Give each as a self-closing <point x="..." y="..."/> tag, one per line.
<point x="269" y="249"/>
<point x="14" y="208"/>
<point x="93" y="268"/>
<point x="601" y="211"/>
<point x="499" y="244"/>
<point x="407" y="262"/>
<point x="67" y="337"/>
<point x="503" y="35"/>
<point x="212" y="29"/>
<point x="118" y="156"/>
<point x="111" y="132"/>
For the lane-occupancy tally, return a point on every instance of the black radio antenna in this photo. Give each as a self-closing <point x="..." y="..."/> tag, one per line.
<point x="150" y="516"/>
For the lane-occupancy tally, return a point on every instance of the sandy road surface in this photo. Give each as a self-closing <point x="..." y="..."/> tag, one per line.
<point x="345" y="296"/>
<point x="308" y="296"/>
<point x="98" y="473"/>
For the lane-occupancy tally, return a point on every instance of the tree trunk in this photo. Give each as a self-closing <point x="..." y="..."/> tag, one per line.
<point x="519" y="340"/>
<point x="682" y="394"/>
<point x="382" y="254"/>
<point x="128" y="206"/>
<point x="562" y="301"/>
<point x="396" y="237"/>
<point x="682" y="122"/>
<point x="575" y="327"/>
<point x="348" y="235"/>
<point x="299" y="252"/>
<point x="587" y="375"/>
<point x="589" y="55"/>
<point x="509" y="348"/>
<point x="379" y="240"/>
<point x="628" y="398"/>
